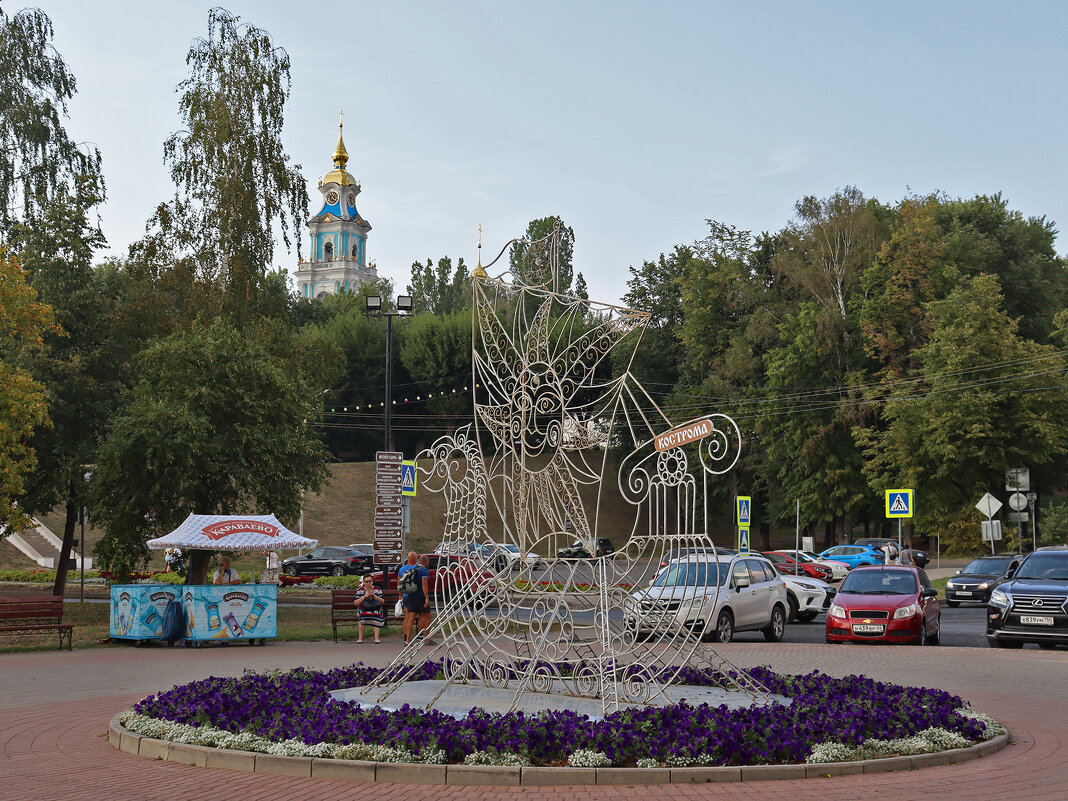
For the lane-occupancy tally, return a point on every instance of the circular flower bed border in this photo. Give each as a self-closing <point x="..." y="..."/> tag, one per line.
<point x="264" y="723"/>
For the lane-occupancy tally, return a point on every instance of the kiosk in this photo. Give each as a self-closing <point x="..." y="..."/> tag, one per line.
<point x="219" y="613"/>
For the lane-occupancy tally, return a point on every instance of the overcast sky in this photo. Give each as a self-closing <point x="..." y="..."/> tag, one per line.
<point x="633" y="121"/>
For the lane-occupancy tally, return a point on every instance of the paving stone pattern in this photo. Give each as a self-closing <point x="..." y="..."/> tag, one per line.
<point x="58" y="749"/>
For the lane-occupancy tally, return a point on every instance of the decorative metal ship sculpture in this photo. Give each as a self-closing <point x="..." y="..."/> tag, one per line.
<point x="551" y="408"/>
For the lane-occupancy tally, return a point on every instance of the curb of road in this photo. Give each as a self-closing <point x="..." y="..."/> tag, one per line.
<point x="405" y="773"/>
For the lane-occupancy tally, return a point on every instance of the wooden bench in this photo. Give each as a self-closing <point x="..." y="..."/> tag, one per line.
<point x="28" y="614"/>
<point x="344" y="613"/>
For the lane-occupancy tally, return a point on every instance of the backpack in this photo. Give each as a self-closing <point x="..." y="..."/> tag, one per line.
<point x="409" y="582"/>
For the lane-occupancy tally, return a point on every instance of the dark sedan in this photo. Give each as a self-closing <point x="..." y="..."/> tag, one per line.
<point x="974" y="583"/>
<point x="329" y="561"/>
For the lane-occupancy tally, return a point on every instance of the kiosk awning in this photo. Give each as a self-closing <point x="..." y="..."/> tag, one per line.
<point x="232" y="533"/>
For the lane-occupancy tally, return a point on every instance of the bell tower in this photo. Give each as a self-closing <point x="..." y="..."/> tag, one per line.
<point x="338" y="257"/>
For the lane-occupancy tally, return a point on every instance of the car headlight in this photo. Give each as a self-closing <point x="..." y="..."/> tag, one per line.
<point x="836" y="611"/>
<point x="905" y="611"/>
<point x="999" y="598"/>
<point x="985" y="585"/>
<point x="950" y="585"/>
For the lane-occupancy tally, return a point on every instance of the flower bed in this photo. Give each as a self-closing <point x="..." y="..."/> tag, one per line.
<point x="829" y="719"/>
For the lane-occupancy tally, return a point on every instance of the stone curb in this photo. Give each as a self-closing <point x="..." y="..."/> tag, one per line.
<point x="488" y="775"/>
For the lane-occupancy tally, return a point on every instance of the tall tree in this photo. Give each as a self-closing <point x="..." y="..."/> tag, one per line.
<point x="220" y="421"/>
<point x="23" y="324"/>
<point x="440" y="290"/>
<point x="37" y="157"/>
<point x="80" y="365"/>
<point x="236" y="184"/>
<point x="531" y="259"/>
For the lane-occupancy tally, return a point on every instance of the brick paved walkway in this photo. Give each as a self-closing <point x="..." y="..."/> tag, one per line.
<point x="59" y="750"/>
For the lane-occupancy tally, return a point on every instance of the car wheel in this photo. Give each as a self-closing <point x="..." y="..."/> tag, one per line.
<point x="337" y="570"/>
<point x="953" y="604"/>
<point x="864" y="564"/>
<point x="935" y="638"/>
<point x="724" y="627"/>
<point x="807" y="617"/>
<point x="1004" y="644"/>
<point x="792" y="601"/>
<point x="501" y="563"/>
<point x="923" y="633"/>
<point x="291" y="570"/>
<point x="777" y="627"/>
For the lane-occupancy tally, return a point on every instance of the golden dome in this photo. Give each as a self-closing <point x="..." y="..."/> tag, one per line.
<point x="339" y="175"/>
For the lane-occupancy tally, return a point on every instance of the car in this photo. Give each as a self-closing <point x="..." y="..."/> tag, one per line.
<point x="577" y="550"/>
<point x="918" y="558"/>
<point x="449" y="574"/>
<point x="332" y="560"/>
<point x="713" y="596"/>
<point x="839" y="570"/>
<point x="678" y="553"/>
<point x="975" y="582"/>
<point x="1032" y="604"/>
<point x="853" y="555"/>
<point x="787" y="564"/>
<point x="885" y="604"/>
<point x="806" y="596"/>
<point x="516" y="559"/>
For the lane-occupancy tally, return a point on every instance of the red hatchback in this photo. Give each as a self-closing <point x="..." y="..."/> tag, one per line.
<point x="885" y="604"/>
<point x="787" y="564"/>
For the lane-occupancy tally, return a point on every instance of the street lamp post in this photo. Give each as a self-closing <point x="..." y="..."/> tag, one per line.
<point x="374" y="308"/>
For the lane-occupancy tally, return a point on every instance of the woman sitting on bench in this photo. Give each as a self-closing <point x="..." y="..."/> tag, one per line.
<point x="372" y="608"/>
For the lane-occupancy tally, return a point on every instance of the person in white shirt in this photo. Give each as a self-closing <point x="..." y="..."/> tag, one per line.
<point x="226" y="574"/>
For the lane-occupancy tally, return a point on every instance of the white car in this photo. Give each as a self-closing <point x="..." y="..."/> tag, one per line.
<point x="806" y="596"/>
<point x="839" y="570"/>
<point x="516" y="558"/>
<point x="713" y="596"/>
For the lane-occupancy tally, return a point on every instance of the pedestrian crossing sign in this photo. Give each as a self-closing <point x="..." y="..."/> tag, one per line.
<point x="899" y="503"/>
<point x="407" y="478"/>
<point x="743" y="539"/>
<point x="744" y="503"/>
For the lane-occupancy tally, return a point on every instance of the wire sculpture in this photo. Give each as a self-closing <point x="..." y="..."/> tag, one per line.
<point x="529" y="473"/>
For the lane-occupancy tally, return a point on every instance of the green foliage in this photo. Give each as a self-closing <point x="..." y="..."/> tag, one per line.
<point x="440" y="290"/>
<point x="437" y="353"/>
<point x="531" y="259"/>
<point x="39" y="576"/>
<point x="1053" y="521"/>
<point x="24" y="321"/>
<point x="236" y="184"/>
<point x="217" y="423"/>
<point x="339" y="582"/>
<point x="37" y="158"/>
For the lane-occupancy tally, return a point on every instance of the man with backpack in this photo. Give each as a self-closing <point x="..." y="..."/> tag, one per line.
<point x="413" y="582"/>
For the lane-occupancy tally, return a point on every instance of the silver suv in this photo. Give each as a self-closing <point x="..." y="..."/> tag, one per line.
<point x="713" y="596"/>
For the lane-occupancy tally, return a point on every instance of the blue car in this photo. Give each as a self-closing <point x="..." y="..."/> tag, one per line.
<point x="854" y="555"/>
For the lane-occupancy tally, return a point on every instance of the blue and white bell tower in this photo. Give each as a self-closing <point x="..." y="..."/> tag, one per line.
<point x="338" y="260"/>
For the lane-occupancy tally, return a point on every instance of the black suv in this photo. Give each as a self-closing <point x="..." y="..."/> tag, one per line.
<point x="1032" y="605"/>
<point x="975" y="582"/>
<point x="577" y="550"/>
<point x="329" y="560"/>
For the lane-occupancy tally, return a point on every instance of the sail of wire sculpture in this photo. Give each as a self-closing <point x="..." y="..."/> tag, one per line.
<point x="551" y="404"/>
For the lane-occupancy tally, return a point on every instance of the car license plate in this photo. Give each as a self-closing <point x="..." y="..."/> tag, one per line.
<point x="964" y="592"/>
<point x="867" y="628"/>
<point x="1036" y="620"/>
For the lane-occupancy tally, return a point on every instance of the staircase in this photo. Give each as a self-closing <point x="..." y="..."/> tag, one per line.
<point x="42" y="546"/>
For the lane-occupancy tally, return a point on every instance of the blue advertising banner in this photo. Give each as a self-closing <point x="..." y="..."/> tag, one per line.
<point x="234" y="612"/>
<point x="137" y="610"/>
<point x="237" y="611"/>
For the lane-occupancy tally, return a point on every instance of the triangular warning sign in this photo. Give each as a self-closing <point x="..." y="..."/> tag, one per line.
<point x="899" y="504"/>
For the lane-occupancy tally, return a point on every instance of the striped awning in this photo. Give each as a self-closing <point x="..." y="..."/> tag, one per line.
<point x="232" y="533"/>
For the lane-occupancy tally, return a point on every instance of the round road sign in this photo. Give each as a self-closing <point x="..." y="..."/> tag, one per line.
<point x="1018" y="501"/>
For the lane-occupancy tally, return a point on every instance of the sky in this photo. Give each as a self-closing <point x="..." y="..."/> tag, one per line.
<point x="635" y="122"/>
